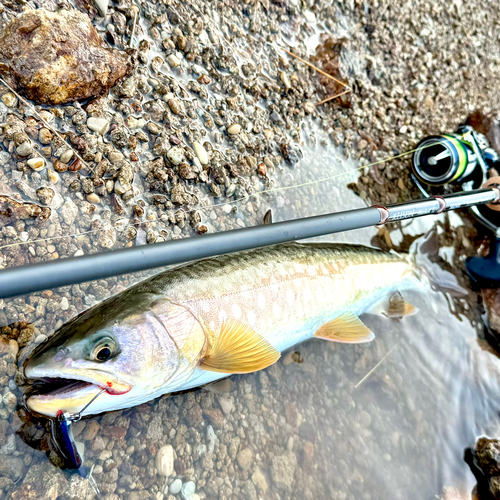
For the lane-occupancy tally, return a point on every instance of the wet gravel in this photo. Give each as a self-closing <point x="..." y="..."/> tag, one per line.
<point x="216" y="111"/>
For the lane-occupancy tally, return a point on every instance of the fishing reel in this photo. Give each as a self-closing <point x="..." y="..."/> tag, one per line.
<point x="463" y="159"/>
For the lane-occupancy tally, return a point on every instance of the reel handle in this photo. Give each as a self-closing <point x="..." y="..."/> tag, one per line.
<point x="485" y="271"/>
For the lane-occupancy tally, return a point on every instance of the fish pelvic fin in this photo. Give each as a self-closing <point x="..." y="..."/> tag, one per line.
<point x="399" y="307"/>
<point x="239" y="349"/>
<point x="347" y="328"/>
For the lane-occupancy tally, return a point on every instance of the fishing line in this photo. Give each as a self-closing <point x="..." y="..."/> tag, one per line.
<point x="378" y="364"/>
<point x="243" y="198"/>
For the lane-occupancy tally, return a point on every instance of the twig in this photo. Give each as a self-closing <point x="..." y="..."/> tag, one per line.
<point x="332" y="97"/>
<point x="377" y="365"/>
<point x="45" y="123"/>
<point x="132" y="31"/>
<point x="315" y="68"/>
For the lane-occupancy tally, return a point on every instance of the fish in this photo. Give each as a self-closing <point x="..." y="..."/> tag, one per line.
<point x="199" y="322"/>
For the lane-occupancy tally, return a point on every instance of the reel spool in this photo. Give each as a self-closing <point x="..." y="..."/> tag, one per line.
<point x="443" y="159"/>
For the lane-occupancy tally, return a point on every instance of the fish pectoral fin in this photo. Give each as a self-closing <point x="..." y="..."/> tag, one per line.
<point x="347" y="328"/>
<point x="239" y="349"/>
<point x="399" y="307"/>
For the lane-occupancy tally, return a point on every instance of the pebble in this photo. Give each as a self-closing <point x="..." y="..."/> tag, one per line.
<point x="226" y="405"/>
<point x="53" y="176"/>
<point x="9" y="99"/>
<point x="99" y="125"/>
<point x="40" y="338"/>
<point x="45" y="135"/>
<point x="24" y="149"/>
<point x="64" y="305"/>
<point x="173" y="61"/>
<point x="175" y="487"/>
<point x="66" y="156"/>
<point x="187" y="490"/>
<point x="175" y="155"/>
<point x="93" y="198"/>
<point x="211" y="438"/>
<point x="37" y="164"/>
<point x="260" y="480"/>
<point x="245" y="458"/>
<point x="164" y="461"/>
<point x="201" y="153"/>
<point x="234" y="129"/>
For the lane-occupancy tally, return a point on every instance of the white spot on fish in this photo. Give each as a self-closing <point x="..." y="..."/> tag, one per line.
<point x="290" y="297"/>
<point x="205" y="306"/>
<point x="251" y="318"/>
<point x="236" y="310"/>
<point x="222" y="315"/>
<point x="276" y="310"/>
<point x="261" y="300"/>
<point x="307" y="294"/>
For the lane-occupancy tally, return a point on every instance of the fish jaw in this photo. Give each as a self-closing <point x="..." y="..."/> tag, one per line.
<point x="71" y="401"/>
<point x="88" y="383"/>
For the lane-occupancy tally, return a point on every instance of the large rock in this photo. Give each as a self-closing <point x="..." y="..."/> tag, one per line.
<point x="58" y="57"/>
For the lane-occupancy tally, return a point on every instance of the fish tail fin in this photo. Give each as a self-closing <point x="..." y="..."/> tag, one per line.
<point x="421" y="252"/>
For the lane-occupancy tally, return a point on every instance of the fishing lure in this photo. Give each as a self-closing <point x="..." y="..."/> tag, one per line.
<point x="64" y="440"/>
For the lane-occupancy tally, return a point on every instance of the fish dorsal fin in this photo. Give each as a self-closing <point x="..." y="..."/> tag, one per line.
<point x="398" y="307"/>
<point x="347" y="328"/>
<point x="239" y="349"/>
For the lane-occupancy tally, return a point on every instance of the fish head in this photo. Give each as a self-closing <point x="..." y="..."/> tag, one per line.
<point x="131" y="358"/>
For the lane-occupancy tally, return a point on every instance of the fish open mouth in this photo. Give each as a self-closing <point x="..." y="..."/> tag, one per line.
<point x="48" y="396"/>
<point x="58" y="387"/>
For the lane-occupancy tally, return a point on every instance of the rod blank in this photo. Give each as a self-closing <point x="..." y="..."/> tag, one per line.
<point x="46" y="275"/>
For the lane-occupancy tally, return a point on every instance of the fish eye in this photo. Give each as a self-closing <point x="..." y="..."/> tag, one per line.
<point x="104" y="350"/>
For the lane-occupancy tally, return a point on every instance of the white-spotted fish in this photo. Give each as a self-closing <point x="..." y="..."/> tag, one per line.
<point x="197" y="323"/>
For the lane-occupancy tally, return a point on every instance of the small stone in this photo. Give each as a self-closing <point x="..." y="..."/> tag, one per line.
<point x="174" y="106"/>
<point x="66" y="156"/>
<point x="286" y="81"/>
<point x="187" y="490"/>
<point x="24" y="149"/>
<point x="245" y="458"/>
<point x="45" y="135"/>
<point x="46" y="195"/>
<point x="173" y="61"/>
<point x="9" y="99"/>
<point x="201" y="153"/>
<point x="164" y="461"/>
<point x="175" y="155"/>
<point x="64" y="305"/>
<point x="262" y="169"/>
<point x="10" y="401"/>
<point x="260" y="480"/>
<point x="37" y="164"/>
<point x="91" y="430"/>
<point x="234" y="129"/>
<point x="99" y="125"/>
<point x="53" y="176"/>
<point x="175" y="487"/>
<point x="226" y="405"/>
<point x="93" y="198"/>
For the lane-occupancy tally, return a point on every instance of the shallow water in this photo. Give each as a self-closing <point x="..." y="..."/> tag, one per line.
<point x="388" y="420"/>
<point x="327" y="427"/>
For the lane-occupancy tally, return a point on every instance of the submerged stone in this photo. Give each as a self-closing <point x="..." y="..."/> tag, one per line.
<point x="43" y="56"/>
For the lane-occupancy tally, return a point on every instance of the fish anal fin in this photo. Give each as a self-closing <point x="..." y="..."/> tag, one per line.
<point x="399" y="307"/>
<point x="239" y="349"/>
<point x="347" y="328"/>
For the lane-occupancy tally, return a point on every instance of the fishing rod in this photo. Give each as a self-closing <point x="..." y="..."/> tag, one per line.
<point x="463" y="159"/>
